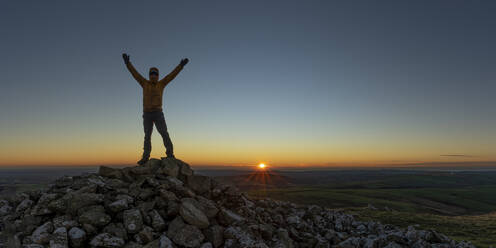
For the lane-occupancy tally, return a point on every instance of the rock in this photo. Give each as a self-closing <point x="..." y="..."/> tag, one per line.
<point x="25" y="204"/>
<point x="118" y="205"/>
<point x="106" y="240"/>
<point x="199" y="184"/>
<point x="146" y="235"/>
<point x="58" y="205"/>
<point x="284" y="238"/>
<point x="116" y="230"/>
<point x="227" y="217"/>
<point x="109" y="172"/>
<point x="5" y="210"/>
<point x="77" y="236"/>
<point x="169" y="167"/>
<point x="206" y="245"/>
<point x="133" y="221"/>
<point x="79" y="201"/>
<point x="165" y="242"/>
<point x="215" y="235"/>
<point x="154" y="164"/>
<point x="207" y="206"/>
<point x="266" y="230"/>
<point x="350" y="243"/>
<point x="188" y="236"/>
<point x="95" y="217"/>
<point x="158" y="222"/>
<point x="41" y="207"/>
<point x="192" y="214"/>
<point x="42" y="234"/>
<point x="184" y="171"/>
<point x="59" y="238"/>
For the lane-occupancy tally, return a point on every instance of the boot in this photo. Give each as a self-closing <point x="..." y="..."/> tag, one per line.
<point x="143" y="161"/>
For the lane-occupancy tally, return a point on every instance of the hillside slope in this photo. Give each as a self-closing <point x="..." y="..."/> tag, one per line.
<point x="164" y="204"/>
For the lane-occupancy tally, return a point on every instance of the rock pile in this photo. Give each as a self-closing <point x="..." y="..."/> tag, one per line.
<point x="163" y="204"/>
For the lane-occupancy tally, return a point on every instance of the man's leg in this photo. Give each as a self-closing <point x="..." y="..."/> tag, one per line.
<point x="148" y="128"/>
<point x="162" y="129"/>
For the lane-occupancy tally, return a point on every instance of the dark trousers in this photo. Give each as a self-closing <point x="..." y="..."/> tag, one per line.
<point x="156" y="117"/>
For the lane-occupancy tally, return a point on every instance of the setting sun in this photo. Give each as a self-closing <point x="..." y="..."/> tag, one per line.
<point x="261" y="166"/>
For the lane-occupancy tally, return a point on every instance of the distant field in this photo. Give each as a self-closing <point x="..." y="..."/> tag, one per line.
<point x="445" y="201"/>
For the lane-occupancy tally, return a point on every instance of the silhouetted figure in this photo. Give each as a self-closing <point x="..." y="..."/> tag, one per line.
<point x="152" y="105"/>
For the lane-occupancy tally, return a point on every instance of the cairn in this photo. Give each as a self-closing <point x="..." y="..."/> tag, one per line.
<point x="164" y="204"/>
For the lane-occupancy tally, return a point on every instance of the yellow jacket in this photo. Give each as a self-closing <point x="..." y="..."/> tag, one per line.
<point x="153" y="91"/>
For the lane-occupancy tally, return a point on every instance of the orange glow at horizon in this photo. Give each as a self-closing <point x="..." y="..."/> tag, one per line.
<point x="261" y="166"/>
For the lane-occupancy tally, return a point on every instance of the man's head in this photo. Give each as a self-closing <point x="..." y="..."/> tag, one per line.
<point x="153" y="74"/>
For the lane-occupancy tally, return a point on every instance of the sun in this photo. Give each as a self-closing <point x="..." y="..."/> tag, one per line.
<point x="261" y="166"/>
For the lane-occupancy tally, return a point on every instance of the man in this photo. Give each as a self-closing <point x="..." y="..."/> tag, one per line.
<point x="152" y="105"/>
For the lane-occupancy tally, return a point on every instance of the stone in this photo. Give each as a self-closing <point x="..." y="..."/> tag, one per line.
<point x="206" y="245"/>
<point x="184" y="170"/>
<point x="79" y="201"/>
<point x="118" y="205"/>
<point x="169" y="167"/>
<point x="188" y="236"/>
<point x="25" y="204"/>
<point x="116" y="230"/>
<point x="110" y="172"/>
<point x="207" y="206"/>
<point x="199" y="184"/>
<point x="95" y="217"/>
<point x="146" y="235"/>
<point x="158" y="222"/>
<point x="215" y="235"/>
<point x="106" y="240"/>
<point x="133" y="221"/>
<point x="77" y="236"/>
<point x="192" y="214"/>
<point x="165" y="242"/>
<point x="5" y="210"/>
<point x="227" y="217"/>
<point x="42" y="234"/>
<point x="59" y="238"/>
<point x="283" y="235"/>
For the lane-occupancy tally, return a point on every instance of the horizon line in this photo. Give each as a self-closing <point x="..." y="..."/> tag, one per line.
<point x="328" y="165"/>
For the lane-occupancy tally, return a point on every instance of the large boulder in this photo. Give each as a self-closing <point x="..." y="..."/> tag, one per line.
<point x="191" y="213"/>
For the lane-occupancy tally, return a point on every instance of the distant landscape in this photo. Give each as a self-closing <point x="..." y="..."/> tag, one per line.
<point x="459" y="203"/>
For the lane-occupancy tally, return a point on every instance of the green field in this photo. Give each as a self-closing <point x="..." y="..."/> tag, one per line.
<point x="445" y="201"/>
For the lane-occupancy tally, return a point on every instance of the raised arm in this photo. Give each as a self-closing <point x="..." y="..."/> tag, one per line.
<point x="141" y="80"/>
<point x="164" y="81"/>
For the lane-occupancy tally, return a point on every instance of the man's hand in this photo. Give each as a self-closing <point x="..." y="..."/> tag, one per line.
<point x="126" y="58"/>
<point x="184" y="61"/>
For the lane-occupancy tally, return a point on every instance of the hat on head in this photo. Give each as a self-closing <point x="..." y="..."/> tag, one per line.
<point x="154" y="70"/>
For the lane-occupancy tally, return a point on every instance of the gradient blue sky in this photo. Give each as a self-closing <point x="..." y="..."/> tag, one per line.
<point x="284" y="82"/>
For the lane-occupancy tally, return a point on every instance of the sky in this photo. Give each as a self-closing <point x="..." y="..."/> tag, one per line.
<point x="299" y="83"/>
